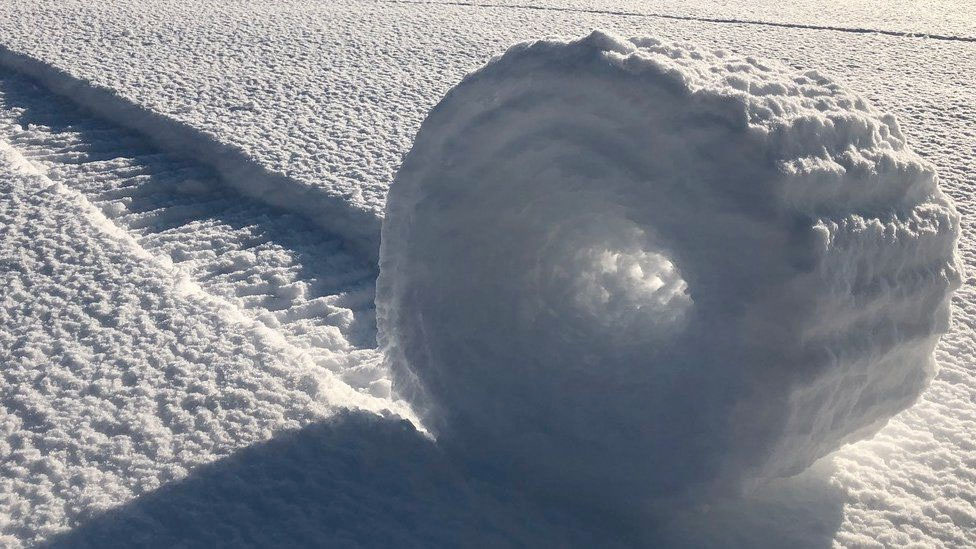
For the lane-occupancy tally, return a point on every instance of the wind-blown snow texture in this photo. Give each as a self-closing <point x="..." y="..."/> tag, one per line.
<point x="329" y="95"/>
<point x="276" y="267"/>
<point x="638" y="268"/>
<point x="119" y="374"/>
<point x="943" y="19"/>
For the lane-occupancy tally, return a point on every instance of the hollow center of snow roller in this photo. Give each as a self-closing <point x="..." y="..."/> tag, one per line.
<point x="617" y="285"/>
<point x="625" y="286"/>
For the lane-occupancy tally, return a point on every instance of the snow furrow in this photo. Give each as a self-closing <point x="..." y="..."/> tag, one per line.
<point x="275" y="266"/>
<point x="121" y="374"/>
<point x="358" y="227"/>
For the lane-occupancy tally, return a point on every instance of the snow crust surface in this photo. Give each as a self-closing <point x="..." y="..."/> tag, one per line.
<point x="950" y="19"/>
<point x="327" y="96"/>
<point x="275" y="267"/>
<point x="118" y="373"/>
<point x="638" y="268"/>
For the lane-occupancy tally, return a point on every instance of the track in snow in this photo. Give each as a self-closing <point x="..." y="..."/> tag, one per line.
<point x="277" y="267"/>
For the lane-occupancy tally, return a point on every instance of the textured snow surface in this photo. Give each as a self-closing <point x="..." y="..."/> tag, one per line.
<point x="119" y="373"/>
<point x="277" y="268"/>
<point x="944" y="19"/>
<point x="639" y="268"/>
<point x="301" y="103"/>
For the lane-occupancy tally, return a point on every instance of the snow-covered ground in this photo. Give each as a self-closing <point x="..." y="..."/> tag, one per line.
<point x="120" y="372"/>
<point x="154" y="321"/>
<point x="942" y="19"/>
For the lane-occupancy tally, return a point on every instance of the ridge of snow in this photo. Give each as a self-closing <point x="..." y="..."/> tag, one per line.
<point x="359" y="226"/>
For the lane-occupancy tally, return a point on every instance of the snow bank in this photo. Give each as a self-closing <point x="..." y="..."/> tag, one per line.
<point x="620" y="268"/>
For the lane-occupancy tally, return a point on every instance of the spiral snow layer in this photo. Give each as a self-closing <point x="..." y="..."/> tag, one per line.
<point x="623" y="268"/>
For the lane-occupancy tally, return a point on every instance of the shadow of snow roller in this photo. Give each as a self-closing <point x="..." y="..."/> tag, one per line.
<point x="621" y="270"/>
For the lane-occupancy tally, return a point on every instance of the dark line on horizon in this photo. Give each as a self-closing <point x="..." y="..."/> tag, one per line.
<point x="853" y="30"/>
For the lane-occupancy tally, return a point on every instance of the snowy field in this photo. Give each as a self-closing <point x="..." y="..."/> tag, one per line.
<point x="189" y="223"/>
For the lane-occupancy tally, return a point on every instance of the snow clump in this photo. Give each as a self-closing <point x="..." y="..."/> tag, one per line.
<point x="622" y="269"/>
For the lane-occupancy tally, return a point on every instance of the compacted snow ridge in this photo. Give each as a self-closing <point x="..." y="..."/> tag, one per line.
<point x="278" y="268"/>
<point x="632" y="268"/>
<point x="358" y="226"/>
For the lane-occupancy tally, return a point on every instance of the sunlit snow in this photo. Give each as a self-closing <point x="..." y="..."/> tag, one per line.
<point x="191" y="198"/>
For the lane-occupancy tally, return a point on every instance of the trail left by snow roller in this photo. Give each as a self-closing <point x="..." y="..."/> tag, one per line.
<point x="619" y="269"/>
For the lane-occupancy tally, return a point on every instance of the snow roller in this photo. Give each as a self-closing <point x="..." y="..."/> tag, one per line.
<point x="622" y="269"/>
